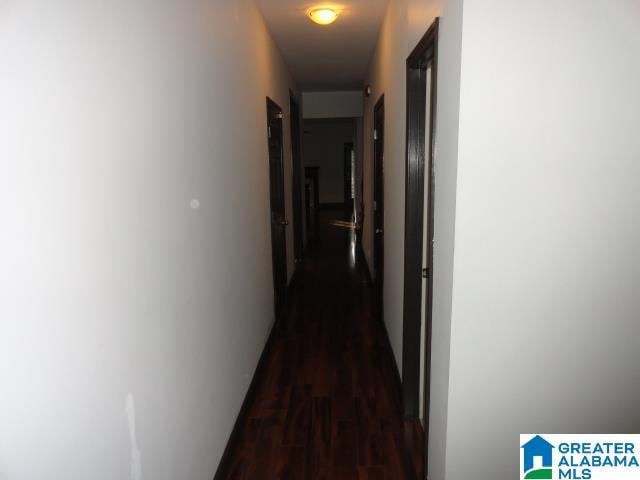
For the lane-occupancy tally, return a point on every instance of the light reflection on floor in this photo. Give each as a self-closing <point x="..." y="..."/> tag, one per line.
<point x="352" y="248"/>
<point x="343" y="224"/>
<point x="352" y="238"/>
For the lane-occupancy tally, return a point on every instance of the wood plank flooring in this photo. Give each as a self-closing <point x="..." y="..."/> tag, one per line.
<point x="326" y="406"/>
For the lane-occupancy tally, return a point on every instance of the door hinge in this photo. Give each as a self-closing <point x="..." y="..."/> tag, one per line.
<point x="375" y="134"/>
<point x="280" y="115"/>
<point x="425" y="272"/>
<point x="375" y="205"/>
<point x="269" y="131"/>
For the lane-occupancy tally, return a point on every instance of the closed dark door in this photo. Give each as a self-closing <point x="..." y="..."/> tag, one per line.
<point x="278" y="220"/>
<point x="378" y="203"/>
<point x="297" y="179"/>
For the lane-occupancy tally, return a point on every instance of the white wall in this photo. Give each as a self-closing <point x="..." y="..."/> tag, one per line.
<point x="445" y="164"/>
<point x="114" y="116"/>
<point x="324" y="147"/>
<point x="545" y="323"/>
<point x="387" y="76"/>
<point x="339" y="104"/>
<point x="405" y="23"/>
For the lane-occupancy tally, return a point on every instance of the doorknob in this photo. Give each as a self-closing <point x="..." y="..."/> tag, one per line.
<point x="284" y="223"/>
<point x="378" y="230"/>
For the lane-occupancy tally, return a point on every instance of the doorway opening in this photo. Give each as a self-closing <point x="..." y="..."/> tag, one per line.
<point x="349" y="179"/>
<point x="419" y="233"/>
<point x="378" y="207"/>
<point x="296" y="191"/>
<point x="332" y="167"/>
<point x="277" y="203"/>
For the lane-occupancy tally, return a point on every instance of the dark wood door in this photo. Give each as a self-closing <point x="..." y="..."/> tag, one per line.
<point x="348" y="178"/>
<point x="307" y="208"/>
<point x="378" y="203"/>
<point x="278" y="220"/>
<point x="297" y="179"/>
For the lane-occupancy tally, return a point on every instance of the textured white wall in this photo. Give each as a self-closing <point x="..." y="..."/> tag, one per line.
<point x="545" y="331"/>
<point x="119" y="303"/>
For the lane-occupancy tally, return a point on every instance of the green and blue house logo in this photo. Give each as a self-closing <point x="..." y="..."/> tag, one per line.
<point x="537" y="460"/>
<point x="553" y="456"/>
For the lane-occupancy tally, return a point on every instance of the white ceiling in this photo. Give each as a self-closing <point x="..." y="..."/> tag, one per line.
<point x="333" y="57"/>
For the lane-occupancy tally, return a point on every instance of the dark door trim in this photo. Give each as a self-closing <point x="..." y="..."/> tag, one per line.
<point x="378" y="206"/>
<point x="277" y="203"/>
<point x="296" y="190"/>
<point x="348" y="177"/>
<point x="426" y="52"/>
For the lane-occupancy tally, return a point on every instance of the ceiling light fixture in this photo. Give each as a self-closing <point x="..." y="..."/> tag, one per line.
<point x="323" y="15"/>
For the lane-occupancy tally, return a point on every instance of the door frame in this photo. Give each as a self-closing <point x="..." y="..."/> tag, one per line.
<point x="297" y="175"/>
<point x="348" y="175"/>
<point x="378" y="210"/>
<point x="416" y="160"/>
<point x="279" y="291"/>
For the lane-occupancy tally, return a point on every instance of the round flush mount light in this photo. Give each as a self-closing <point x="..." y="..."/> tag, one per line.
<point x="323" y="15"/>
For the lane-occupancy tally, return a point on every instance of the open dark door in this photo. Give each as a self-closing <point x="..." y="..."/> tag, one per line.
<point x="378" y="203"/>
<point x="297" y="178"/>
<point x="278" y="220"/>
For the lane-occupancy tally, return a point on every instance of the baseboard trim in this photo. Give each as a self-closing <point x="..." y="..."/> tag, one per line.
<point x="363" y="260"/>
<point x="225" y="462"/>
<point x="396" y="380"/>
<point x="413" y="471"/>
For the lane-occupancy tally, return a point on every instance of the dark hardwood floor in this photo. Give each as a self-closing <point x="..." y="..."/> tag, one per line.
<point x="326" y="403"/>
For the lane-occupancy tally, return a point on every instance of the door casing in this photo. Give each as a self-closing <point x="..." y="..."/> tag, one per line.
<point x="378" y="206"/>
<point x="277" y="203"/>
<point x="296" y="190"/>
<point x="348" y="177"/>
<point x="419" y="159"/>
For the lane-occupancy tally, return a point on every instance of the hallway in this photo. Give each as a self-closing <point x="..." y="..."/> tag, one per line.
<point x="325" y="405"/>
<point x="174" y="173"/>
